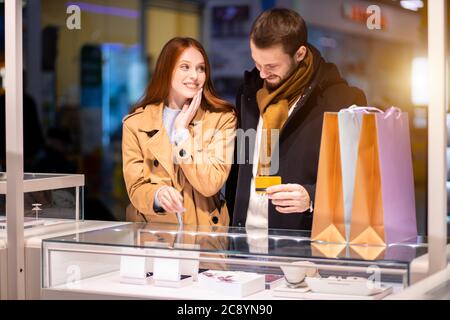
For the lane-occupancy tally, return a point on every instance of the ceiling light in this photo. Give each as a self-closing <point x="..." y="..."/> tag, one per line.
<point x="413" y="5"/>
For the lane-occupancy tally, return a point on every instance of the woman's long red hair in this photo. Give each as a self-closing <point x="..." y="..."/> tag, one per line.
<point x="160" y="84"/>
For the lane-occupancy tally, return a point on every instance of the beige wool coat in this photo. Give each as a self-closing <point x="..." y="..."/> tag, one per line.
<point x="198" y="168"/>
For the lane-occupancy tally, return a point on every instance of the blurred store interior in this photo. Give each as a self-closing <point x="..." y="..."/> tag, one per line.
<point x="87" y="62"/>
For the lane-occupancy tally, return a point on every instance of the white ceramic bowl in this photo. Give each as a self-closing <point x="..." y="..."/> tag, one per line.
<point x="298" y="271"/>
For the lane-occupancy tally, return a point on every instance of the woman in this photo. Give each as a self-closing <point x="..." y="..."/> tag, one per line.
<point x="178" y="142"/>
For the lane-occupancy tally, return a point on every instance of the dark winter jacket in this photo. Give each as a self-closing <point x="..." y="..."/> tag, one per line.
<point x="299" y="140"/>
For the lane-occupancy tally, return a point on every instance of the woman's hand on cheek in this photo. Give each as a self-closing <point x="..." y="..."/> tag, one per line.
<point x="188" y="112"/>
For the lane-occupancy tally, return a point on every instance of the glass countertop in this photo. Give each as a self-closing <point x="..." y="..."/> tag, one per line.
<point x="33" y="182"/>
<point x="33" y="176"/>
<point x="244" y="242"/>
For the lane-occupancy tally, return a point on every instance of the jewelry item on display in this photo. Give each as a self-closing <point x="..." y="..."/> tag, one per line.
<point x="28" y="222"/>
<point x="36" y="209"/>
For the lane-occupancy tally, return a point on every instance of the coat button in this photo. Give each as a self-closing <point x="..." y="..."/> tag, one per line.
<point x="215" y="220"/>
<point x="182" y="153"/>
<point x="152" y="133"/>
<point x="239" y="224"/>
<point x="156" y="163"/>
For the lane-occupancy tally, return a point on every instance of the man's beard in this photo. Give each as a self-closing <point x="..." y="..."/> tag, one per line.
<point x="274" y="86"/>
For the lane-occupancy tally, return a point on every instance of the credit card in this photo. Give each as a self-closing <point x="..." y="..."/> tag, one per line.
<point x="263" y="182"/>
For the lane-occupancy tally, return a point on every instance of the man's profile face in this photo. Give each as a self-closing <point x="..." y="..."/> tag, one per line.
<point x="274" y="65"/>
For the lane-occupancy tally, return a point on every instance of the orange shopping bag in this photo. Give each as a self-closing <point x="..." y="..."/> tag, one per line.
<point x="329" y="222"/>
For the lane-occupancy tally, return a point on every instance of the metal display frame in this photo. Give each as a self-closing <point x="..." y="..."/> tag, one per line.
<point x="437" y="135"/>
<point x="14" y="148"/>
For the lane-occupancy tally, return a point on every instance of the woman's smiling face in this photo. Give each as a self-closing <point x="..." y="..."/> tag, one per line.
<point x="188" y="76"/>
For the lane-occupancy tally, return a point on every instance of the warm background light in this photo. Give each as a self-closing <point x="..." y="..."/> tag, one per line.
<point x="419" y="82"/>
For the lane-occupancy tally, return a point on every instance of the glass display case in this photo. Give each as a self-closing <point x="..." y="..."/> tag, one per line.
<point x="47" y="198"/>
<point x="53" y="205"/>
<point x="162" y="261"/>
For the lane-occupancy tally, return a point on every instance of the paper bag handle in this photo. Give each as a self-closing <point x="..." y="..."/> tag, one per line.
<point x="354" y="108"/>
<point x="393" y="110"/>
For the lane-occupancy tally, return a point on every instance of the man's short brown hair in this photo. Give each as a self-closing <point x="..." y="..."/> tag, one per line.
<point x="279" y="26"/>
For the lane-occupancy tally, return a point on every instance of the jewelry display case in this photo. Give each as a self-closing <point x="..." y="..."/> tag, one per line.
<point x="48" y="198"/>
<point x="59" y="200"/>
<point x="33" y="254"/>
<point x="163" y="261"/>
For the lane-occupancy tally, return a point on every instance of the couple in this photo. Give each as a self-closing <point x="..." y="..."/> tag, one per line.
<point x="172" y="170"/>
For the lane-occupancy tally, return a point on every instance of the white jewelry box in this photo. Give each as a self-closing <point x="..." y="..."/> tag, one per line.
<point x="182" y="282"/>
<point x="232" y="283"/>
<point x="134" y="270"/>
<point x="353" y="286"/>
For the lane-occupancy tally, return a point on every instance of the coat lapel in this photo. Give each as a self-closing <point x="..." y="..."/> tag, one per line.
<point x="158" y="142"/>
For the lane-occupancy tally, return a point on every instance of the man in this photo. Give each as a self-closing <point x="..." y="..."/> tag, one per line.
<point x="287" y="93"/>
